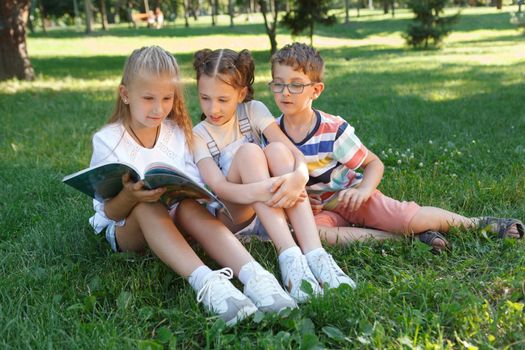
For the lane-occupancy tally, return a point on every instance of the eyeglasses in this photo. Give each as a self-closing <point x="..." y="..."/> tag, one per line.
<point x="293" y="88"/>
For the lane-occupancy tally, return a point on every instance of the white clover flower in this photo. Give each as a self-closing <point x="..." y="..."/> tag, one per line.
<point x="421" y="164"/>
<point x="397" y="153"/>
<point x="399" y="161"/>
<point x="454" y="175"/>
<point x="430" y="142"/>
<point x="390" y="150"/>
<point x="473" y="141"/>
<point x="403" y="155"/>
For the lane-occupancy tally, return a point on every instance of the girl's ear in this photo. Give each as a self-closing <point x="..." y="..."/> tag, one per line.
<point x="123" y="92"/>
<point x="318" y="89"/>
<point x="242" y="94"/>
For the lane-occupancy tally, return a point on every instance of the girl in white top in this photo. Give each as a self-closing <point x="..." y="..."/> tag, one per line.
<point x="150" y="124"/>
<point x="239" y="171"/>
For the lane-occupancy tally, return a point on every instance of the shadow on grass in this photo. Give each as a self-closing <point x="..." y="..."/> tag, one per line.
<point x="101" y="67"/>
<point x="199" y="30"/>
<point x="353" y="30"/>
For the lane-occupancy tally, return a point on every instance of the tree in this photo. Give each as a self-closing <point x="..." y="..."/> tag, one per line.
<point x="428" y="23"/>
<point x="305" y="14"/>
<point x="14" y="60"/>
<point x="270" y="26"/>
<point x="103" y="15"/>
<point x="347" y="11"/>
<point x="230" y="12"/>
<point x="88" y="7"/>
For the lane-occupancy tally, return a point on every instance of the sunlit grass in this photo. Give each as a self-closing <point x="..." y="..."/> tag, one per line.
<point x="447" y="123"/>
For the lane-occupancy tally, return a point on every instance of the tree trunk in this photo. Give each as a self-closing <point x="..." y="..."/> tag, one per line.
<point x="230" y="11"/>
<point x="103" y="15"/>
<point x="14" y="60"/>
<point x="269" y="27"/>
<point x="185" y="5"/>
<point x="212" y="7"/>
<point x="386" y="6"/>
<point x="89" y="16"/>
<point x="312" y="33"/>
<point x="42" y="15"/>
<point x="347" y="10"/>
<point x="371" y="4"/>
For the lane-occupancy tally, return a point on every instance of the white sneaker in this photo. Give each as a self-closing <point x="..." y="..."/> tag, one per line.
<point x="220" y="296"/>
<point x="293" y="271"/>
<point x="328" y="273"/>
<point x="267" y="294"/>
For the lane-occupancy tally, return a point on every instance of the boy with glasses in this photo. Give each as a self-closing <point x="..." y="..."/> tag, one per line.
<point x="339" y="195"/>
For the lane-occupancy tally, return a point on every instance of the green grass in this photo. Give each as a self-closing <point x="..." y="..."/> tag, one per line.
<point x="448" y="124"/>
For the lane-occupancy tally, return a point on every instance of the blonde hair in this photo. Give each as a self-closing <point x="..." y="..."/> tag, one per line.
<point x="153" y="61"/>
<point x="301" y="57"/>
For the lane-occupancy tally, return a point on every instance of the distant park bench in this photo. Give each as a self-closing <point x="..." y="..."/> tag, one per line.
<point x="139" y="17"/>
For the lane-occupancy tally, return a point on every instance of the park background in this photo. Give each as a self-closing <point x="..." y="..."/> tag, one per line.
<point x="448" y="123"/>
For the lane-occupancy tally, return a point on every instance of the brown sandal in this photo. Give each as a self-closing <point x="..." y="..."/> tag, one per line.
<point x="501" y="226"/>
<point x="429" y="237"/>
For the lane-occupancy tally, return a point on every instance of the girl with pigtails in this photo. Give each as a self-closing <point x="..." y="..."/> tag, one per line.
<point x="267" y="181"/>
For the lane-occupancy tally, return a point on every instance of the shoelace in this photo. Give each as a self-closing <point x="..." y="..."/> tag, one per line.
<point x="265" y="284"/>
<point x="301" y="265"/>
<point x="223" y="275"/>
<point x="326" y="260"/>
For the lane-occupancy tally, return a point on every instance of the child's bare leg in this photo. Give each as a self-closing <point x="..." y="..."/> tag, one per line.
<point x="280" y="162"/>
<point x="260" y="285"/>
<point x="437" y="219"/>
<point x="249" y="165"/>
<point x="150" y="223"/>
<point x="214" y="237"/>
<point x="348" y="234"/>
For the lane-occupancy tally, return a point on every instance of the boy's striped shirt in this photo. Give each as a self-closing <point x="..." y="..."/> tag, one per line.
<point x="332" y="152"/>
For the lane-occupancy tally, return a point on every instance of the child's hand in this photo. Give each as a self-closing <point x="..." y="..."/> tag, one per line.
<point x="315" y="203"/>
<point x="289" y="193"/>
<point x="353" y="198"/>
<point x="135" y="191"/>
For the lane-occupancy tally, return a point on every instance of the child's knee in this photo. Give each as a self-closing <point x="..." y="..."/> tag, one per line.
<point x="249" y="151"/>
<point x="279" y="156"/>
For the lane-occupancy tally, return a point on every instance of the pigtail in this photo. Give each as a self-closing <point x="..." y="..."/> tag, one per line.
<point x="246" y="67"/>
<point x="199" y="58"/>
<point x="180" y="115"/>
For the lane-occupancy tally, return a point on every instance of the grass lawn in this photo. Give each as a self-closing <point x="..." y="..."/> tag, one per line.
<point x="448" y="124"/>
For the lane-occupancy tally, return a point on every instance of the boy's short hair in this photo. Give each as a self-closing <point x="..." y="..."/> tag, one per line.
<point x="301" y="57"/>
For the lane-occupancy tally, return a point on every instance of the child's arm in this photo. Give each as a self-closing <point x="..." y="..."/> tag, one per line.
<point x="261" y="191"/>
<point x="292" y="188"/>
<point x="353" y="198"/>
<point x="120" y="206"/>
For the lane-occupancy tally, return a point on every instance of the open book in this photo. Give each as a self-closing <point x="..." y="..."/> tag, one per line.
<point x="105" y="181"/>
